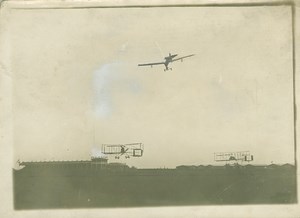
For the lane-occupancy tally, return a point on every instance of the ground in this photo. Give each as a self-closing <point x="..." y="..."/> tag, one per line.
<point x="128" y="187"/>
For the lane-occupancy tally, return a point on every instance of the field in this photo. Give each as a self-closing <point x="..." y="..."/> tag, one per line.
<point x="86" y="188"/>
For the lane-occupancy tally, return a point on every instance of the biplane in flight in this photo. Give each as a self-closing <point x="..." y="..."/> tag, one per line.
<point x="128" y="150"/>
<point x="169" y="59"/>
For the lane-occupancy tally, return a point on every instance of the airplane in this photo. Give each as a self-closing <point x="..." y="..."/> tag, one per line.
<point x="169" y="59"/>
<point x="128" y="150"/>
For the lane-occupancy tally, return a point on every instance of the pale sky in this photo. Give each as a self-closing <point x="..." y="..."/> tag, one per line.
<point x="75" y="74"/>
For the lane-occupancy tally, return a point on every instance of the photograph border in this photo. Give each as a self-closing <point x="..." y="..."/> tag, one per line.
<point x="17" y="5"/>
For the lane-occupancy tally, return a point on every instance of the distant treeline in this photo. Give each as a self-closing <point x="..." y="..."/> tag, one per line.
<point x="271" y="166"/>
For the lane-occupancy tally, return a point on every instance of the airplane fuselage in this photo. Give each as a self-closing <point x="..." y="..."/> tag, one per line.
<point x="168" y="60"/>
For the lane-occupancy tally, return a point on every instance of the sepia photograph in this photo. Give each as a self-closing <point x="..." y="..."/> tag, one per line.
<point x="141" y="105"/>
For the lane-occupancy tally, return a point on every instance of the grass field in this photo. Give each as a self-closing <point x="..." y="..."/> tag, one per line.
<point x="83" y="188"/>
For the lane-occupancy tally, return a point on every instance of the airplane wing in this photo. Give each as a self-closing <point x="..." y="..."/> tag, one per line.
<point x="151" y="64"/>
<point x="111" y="149"/>
<point x="181" y="58"/>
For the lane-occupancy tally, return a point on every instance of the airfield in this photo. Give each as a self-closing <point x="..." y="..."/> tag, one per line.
<point x="115" y="185"/>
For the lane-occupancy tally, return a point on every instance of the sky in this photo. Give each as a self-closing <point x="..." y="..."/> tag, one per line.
<point x="76" y="83"/>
